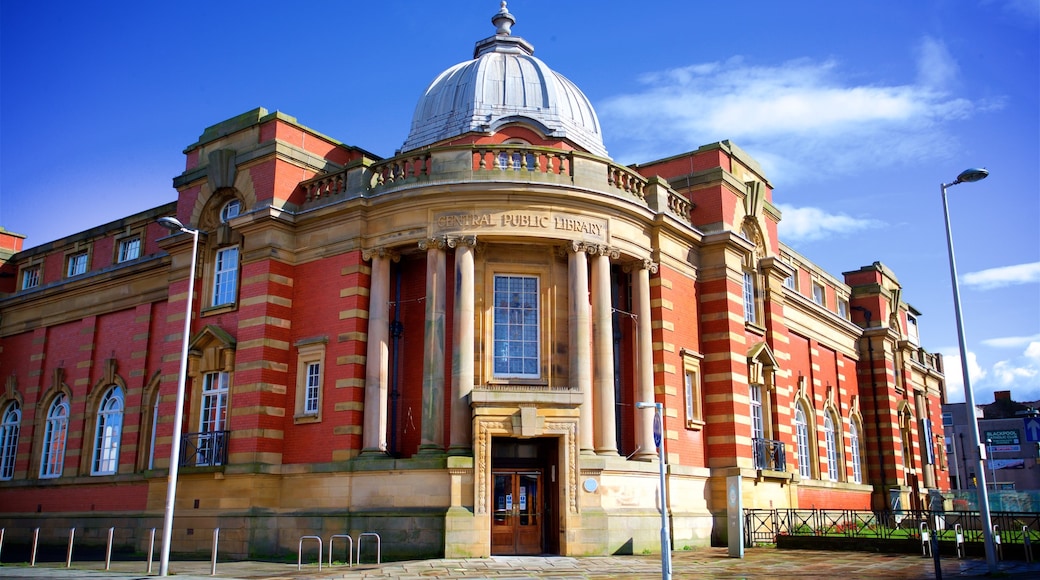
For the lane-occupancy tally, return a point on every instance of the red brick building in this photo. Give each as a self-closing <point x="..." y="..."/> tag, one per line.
<point x="446" y="347"/>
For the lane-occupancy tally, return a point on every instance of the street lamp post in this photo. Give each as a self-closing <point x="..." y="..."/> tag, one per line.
<point x="666" y="542"/>
<point x="969" y="176"/>
<point x="175" y="226"/>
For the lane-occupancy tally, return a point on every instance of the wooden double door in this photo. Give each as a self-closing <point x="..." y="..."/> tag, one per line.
<point x="517" y="522"/>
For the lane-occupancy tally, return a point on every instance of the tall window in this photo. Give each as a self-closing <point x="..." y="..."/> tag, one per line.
<point x="517" y="329"/>
<point x="749" y="297"/>
<point x="77" y="264"/>
<point x="310" y="397"/>
<point x="857" y="467"/>
<point x="832" y="447"/>
<point x="225" y="278"/>
<point x="155" y="428"/>
<point x="55" y="433"/>
<point x="108" y="434"/>
<point x="214" y="416"/>
<point x="801" y="435"/>
<point x="692" y="390"/>
<point x="129" y="249"/>
<point x="30" y="277"/>
<point x="912" y="332"/>
<point x="757" y="424"/>
<point x="9" y="427"/>
<point x="843" y="308"/>
<point x="818" y="295"/>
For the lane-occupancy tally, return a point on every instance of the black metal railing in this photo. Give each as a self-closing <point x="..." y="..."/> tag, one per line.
<point x="204" y="449"/>
<point x="764" y="526"/>
<point x="769" y="454"/>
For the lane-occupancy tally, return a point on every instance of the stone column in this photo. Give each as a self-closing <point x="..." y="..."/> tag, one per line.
<point x="461" y="434"/>
<point x="579" y="318"/>
<point x="605" y="438"/>
<point x="644" y="359"/>
<point x="377" y="361"/>
<point x="433" y="354"/>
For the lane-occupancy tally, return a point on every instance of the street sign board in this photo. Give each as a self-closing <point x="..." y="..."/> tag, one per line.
<point x="657" y="430"/>
<point x="1002" y="440"/>
<point x="1032" y="426"/>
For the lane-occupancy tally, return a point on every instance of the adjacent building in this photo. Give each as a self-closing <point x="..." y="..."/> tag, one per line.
<point x="447" y="346"/>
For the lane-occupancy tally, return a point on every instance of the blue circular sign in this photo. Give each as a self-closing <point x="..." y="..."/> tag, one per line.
<point x="657" y="430"/>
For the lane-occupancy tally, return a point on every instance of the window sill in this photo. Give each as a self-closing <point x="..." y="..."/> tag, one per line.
<point x="221" y="309"/>
<point x="755" y="328"/>
<point x="695" y="425"/>
<point x="305" y="419"/>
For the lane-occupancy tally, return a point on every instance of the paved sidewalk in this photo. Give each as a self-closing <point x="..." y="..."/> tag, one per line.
<point x="758" y="563"/>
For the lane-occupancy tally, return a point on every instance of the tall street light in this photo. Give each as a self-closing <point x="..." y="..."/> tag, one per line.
<point x="666" y="542"/>
<point x="175" y="226"/>
<point x="969" y="176"/>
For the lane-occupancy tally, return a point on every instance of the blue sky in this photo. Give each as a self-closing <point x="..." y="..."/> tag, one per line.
<point x="857" y="111"/>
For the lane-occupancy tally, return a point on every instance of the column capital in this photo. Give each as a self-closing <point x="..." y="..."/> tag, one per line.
<point x="386" y="253"/>
<point x="456" y="241"/>
<point x="644" y="264"/>
<point x="433" y="244"/>
<point x="603" y="250"/>
<point x="573" y="247"/>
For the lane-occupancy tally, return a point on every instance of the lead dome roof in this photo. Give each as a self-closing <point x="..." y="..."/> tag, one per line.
<point x="504" y="83"/>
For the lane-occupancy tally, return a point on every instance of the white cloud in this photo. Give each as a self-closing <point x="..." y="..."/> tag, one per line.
<point x="826" y="123"/>
<point x="1003" y="276"/>
<point x="806" y="224"/>
<point x="954" y="374"/>
<point x="1014" y="342"/>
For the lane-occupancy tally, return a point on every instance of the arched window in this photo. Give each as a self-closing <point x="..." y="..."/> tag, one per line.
<point x="109" y="433"/>
<point x="55" y="434"/>
<point x="857" y="466"/>
<point x="832" y="447"/>
<point x="9" y="426"/>
<point x="230" y="210"/>
<point x="801" y="428"/>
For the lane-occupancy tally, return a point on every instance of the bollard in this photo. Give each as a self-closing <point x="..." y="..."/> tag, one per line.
<point x="1025" y="543"/>
<point x="2" y="540"/>
<point x="996" y="542"/>
<point x="36" y="542"/>
<point x="68" y="556"/>
<point x="213" y="559"/>
<point x="350" y="548"/>
<point x="151" y="549"/>
<point x="108" y="550"/>
<point x="925" y="540"/>
<point x="959" y="533"/>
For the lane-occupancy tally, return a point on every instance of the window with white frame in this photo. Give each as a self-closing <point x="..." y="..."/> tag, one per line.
<point x="213" y="418"/>
<point x="801" y="435"/>
<point x="225" y="276"/>
<point x="10" y="425"/>
<point x="108" y="433"/>
<point x="55" y="434"/>
<point x="76" y="264"/>
<point x="692" y="390"/>
<point x="129" y="249"/>
<point x="230" y="210"/>
<point x="30" y="277"/>
<point x="790" y="281"/>
<point x="830" y="441"/>
<point x="857" y="466"/>
<point x="309" y="379"/>
<point x="912" y="332"/>
<point x="757" y="423"/>
<point x="516" y="327"/>
<point x="818" y="295"/>
<point x="749" y="297"/>
<point x="843" y="308"/>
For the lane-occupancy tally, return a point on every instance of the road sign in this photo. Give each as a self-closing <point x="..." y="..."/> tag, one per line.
<point x="657" y="430"/>
<point x="1032" y="429"/>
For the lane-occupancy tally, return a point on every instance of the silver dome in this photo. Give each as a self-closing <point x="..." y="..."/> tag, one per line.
<point x="504" y="83"/>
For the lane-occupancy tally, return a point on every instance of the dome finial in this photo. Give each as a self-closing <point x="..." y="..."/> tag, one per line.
<point x="503" y="20"/>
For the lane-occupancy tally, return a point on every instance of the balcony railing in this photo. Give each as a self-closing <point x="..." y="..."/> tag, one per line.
<point x="204" y="449"/>
<point x="769" y="454"/>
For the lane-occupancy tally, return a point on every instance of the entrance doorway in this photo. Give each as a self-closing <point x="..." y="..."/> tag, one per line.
<point x="516" y="523"/>
<point x="525" y="496"/>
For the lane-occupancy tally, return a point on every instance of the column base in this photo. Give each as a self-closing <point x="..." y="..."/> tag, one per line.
<point x="460" y="450"/>
<point x="429" y="449"/>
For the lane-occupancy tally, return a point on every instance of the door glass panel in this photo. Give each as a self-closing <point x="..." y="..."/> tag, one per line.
<point x="503" y="498"/>
<point x="528" y="499"/>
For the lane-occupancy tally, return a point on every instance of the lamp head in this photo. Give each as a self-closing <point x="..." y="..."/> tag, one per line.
<point x="171" y="223"/>
<point x="972" y="175"/>
<point x="645" y="405"/>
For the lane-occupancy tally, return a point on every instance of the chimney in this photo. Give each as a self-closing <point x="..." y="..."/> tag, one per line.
<point x="1002" y="396"/>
